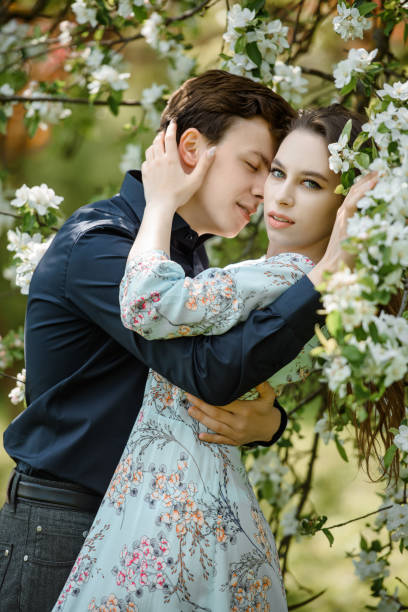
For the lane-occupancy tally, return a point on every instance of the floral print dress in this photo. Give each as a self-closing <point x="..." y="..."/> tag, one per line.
<point x="179" y="528"/>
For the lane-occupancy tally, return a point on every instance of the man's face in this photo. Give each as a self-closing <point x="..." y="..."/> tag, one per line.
<point x="234" y="185"/>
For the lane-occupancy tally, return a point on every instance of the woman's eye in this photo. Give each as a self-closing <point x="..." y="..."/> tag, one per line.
<point x="277" y="173"/>
<point x="311" y="184"/>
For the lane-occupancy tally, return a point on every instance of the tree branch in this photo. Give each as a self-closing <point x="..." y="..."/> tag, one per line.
<point x="65" y="100"/>
<point x="356" y="519"/>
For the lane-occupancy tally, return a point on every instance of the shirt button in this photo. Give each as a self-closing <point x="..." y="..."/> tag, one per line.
<point x="25" y="557"/>
<point x="84" y="534"/>
<point x="6" y="552"/>
<point x="38" y="528"/>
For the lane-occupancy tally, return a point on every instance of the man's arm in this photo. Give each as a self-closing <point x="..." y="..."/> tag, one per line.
<point x="218" y="369"/>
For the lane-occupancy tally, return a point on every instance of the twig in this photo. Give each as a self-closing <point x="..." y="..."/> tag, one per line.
<point x="323" y="75"/>
<point x="9" y="376"/>
<point x="65" y="100"/>
<point x="306" y="400"/>
<point x="357" y="519"/>
<point x="306" y="601"/>
<point x="404" y="299"/>
<point x="41" y="223"/>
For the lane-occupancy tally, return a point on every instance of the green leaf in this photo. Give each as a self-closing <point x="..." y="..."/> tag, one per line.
<point x="361" y="138"/>
<point x="255" y="5"/>
<point x="363" y="544"/>
<point x="389" y="455"/>
<point x="352" y="354"/>
<point x="329" y="536"/>
<point x="253" y="53"/>
<point x="240" y="44"/>
<point x="113" y="103"/>
<point x="363" y="159"/>
<point x="333" y="323"/>
<point x="341" y="449"/>
<point x="349" y="87"/>
<point x="366" y="7"/>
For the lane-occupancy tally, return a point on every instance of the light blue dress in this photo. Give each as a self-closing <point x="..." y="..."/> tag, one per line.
<point x="179" y="528"/>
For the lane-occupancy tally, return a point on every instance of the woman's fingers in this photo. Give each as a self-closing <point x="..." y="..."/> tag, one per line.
<point x="170" y="140"/>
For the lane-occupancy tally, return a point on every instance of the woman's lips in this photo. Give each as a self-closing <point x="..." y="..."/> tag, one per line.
<point x="279" y="221"/>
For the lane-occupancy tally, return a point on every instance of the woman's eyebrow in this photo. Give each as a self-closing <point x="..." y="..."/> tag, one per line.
<point x="276" y="162"/>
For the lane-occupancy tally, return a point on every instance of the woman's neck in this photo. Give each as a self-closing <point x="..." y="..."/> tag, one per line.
<point x="314" y="252"/>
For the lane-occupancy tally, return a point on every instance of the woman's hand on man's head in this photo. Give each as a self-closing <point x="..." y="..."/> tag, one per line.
<point x="334" y="254"/>
<point x="167" y="185"/>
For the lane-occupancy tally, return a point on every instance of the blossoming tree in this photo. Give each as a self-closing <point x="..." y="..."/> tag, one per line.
<point x="366" y="348"/>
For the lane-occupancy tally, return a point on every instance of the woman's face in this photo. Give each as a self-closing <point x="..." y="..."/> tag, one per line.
<point x="299" y="204"/>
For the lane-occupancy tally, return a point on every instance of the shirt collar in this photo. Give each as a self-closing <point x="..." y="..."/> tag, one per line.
<point x="133" y="194"/>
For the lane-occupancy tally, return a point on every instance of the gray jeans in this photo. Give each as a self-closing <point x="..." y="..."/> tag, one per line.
<point x="38" y="547"/>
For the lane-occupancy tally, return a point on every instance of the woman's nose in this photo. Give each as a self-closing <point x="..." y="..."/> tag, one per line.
<point x="284" y="195"/>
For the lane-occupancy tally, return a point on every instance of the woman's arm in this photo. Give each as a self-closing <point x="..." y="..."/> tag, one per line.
<point x="157" y="300"/>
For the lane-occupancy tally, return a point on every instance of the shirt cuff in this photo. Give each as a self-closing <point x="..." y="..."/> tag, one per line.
<point x="278" y="433"/>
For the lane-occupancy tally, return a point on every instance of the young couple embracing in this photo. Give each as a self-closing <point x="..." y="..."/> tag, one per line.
<point x="124" y="318"/>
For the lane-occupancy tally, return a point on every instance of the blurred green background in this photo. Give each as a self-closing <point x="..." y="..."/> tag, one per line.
<point x="80" y="160"/>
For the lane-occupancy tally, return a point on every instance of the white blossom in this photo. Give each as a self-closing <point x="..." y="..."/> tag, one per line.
<point x="323" y="428"/>
<point x="388" y="603"/>
<point x="66" y="28"/>
<point x="40" y="198"/>
<point x="357" y="62"/>
<point x="132" y="158"/>
<point x="107" y="75"/>
<point x="349" y="23"/>
<point x="85" y="13"/>
<point x="401" y="439"/>
<point x="337" y="372"/>
<point x="397" y="521"/>
<point x="11" y="33"/>
<point x="289" y="83"/>
<point x="397" y="91"/>
<point x="7" y="90"/>
<point x="369" y="567"/>
<point x="49" y="112"/>
<point x="149" y="97"/>
<point x="289" y="523"/>
<point x="181" y="66"/>
<point x="125" y="9"/>
<point x="151" y="29"/>
<point x="17" y="395"/>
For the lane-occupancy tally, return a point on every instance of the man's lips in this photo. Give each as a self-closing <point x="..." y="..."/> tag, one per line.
<point x="247" y="211"/>
<point x="278" y="221"/>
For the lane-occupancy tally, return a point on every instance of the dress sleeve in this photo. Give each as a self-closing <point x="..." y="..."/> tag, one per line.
<point x="157" y="300"/>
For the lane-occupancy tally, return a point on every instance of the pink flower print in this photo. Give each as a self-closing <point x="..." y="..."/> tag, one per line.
<point x="164" y="546"/>
<point x="145" y="541"/>
<point x="141" y="303"/>
<point x="144" y="580"/>
<point x="160" y="580"/>
<point x="120" y="578"/>
<point x="155" y="296"/>
<point x="159" y="565"/>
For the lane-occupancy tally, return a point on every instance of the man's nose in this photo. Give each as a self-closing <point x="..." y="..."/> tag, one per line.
<point x="258" y="186"/>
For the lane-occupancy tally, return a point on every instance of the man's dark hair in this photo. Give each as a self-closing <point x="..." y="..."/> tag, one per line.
<point x="212" y="101"/>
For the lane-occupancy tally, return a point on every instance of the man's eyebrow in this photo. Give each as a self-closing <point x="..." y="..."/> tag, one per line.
<point x="259" y="154"/>
<point x="276" y="162"/>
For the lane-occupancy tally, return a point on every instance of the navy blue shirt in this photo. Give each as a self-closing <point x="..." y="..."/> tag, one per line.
<point x="86" y="372"/>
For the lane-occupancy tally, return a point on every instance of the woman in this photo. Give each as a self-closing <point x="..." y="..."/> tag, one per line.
<point x="179" y="527"/>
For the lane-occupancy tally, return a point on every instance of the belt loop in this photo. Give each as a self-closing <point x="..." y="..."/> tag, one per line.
<point x="12" y="489"/>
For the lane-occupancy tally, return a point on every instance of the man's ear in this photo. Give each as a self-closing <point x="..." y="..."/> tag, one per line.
<point x="190" y="145"/>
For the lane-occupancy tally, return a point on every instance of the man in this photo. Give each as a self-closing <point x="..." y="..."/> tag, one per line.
<point x="86" y="372"/>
